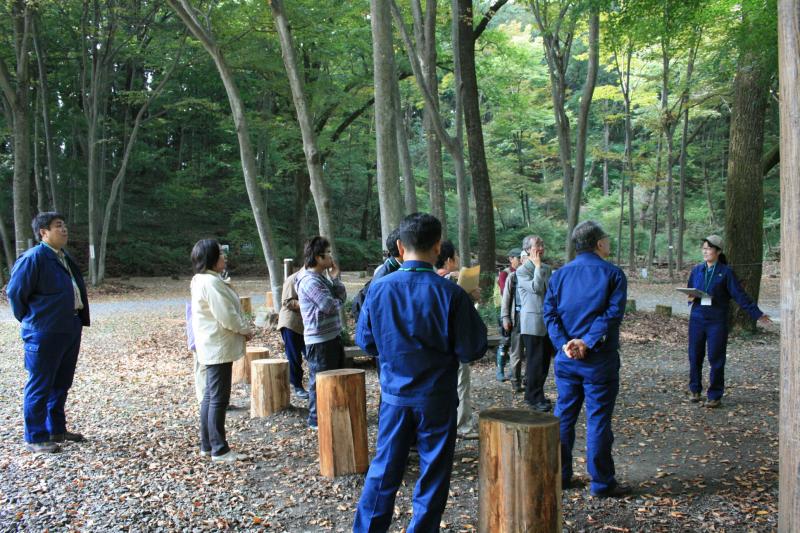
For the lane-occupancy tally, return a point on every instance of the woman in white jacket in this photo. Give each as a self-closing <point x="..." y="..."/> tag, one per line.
<point x="220" y="332"/>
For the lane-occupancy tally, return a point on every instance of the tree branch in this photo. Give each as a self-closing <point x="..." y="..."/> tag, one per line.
<point x="487" y="18"/>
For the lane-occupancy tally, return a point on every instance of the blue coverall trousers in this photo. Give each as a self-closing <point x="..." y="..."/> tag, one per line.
<point x="434" y="430"/>
<point x="295" y="348"/>
<point x="50" y="359"/>
<point x="600" y="394"/>
<point x="715" y="335"/>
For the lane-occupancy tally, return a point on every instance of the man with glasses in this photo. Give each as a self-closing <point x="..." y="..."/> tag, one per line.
<point x="321" y="294"/>
<point x="48" y="296"/>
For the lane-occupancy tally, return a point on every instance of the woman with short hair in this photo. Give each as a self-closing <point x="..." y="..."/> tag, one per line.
<point x="220" y="331"/>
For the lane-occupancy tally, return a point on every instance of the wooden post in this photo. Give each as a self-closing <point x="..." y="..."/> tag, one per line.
<point x="664" y="310"/>
<point x="342" y="422"/>
<point x="269" y="392"/>
<point x="287" y="267"/>
<point x="519" y="472"/>
<point x="247" y="304"/>
<point x="241" y="368"/>
<point x="789" y="450"/>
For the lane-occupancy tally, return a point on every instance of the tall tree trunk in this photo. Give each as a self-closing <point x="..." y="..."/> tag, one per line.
<point x="257" y="202"/>
<point x="44" y="102"/>
<point x="17" y="94"/>
<point x="684" y="143"/>
<point x="789" y="447"/>
<point x="631" y="230"/>
<point x="8" y="248"/>
<point x="406" y="165"/>
<point x="583" y="124"/>
<point x="41" y="193"/>
<point x="425" y="34"/>
<point x="669" y="128"/>
<point x="302" y="191"/>
<point x="606" y="138"/>
<point x="365" y="213"/>
<point x="744" y="195"/>
<point x="481" y="186"/>
<point x="651" y="249"/>
<point x="461" y="174"/>
<point x="712" y="217"/>
<point x="621" y="216"/>
<point x="313" y="160"/>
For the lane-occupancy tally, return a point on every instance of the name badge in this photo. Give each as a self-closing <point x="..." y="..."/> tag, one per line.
<point x="705" y="301"/>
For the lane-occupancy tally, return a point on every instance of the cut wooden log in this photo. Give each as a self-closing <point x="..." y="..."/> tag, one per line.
<point x="630" y="306"/>
<point x="268" y="301"/>
<point x="247" y="304"/>
<point x="664" y="310"/>
<point x="241" y="367"/>
<point x="269" y="392"/>
<point x="342" y="422"/>
<point x="519" y="472"/>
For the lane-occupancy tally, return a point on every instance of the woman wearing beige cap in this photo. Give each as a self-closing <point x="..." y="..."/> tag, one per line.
<point x="708" y="320"/>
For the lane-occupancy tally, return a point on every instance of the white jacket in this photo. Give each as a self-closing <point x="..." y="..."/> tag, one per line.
<point x="217" y="320"/>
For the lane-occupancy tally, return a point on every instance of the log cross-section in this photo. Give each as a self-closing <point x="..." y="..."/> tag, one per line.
<point x="519" y="472"/>
<point x="342" y="422"/>
<point x="241" y="367"/>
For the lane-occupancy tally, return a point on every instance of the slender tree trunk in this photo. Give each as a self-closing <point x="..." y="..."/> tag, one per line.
<point x="44" y="101"/>
<point x="365" y="213"/>
<point x="41" y="194"/>
<point x="682" y="157"/>
<point x="606" y="137"/>
<point x="631" y="230"/>
<point x="481" y="185"/>
<point x="669" y="129"/>
<point x="744" y="195"/>
<point x="301" y="195"/>
<point x="461" y="174"/>
<point x="789" y="447"/>
<point x="621" y="216"/>
<point x="257" y="202"/>
<point x="8" y="248"/>
<point x="712" y="217"/>
<point x="651" y="249"/>
<point x="313" y="159"/>
<point x="406" y="165"/>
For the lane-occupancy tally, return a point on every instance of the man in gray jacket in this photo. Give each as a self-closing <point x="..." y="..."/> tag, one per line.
<point x="524" y="294"/>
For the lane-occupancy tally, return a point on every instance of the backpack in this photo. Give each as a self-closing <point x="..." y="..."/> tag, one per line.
<point x="358" y="301"/>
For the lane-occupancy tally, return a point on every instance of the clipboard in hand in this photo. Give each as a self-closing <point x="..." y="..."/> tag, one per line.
<point x="696" y="293"/>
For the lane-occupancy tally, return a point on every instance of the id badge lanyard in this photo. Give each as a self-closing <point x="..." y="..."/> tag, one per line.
<point x="707" y="279"/>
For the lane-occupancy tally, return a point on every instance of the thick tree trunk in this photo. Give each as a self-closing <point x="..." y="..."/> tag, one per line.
<point x="254" y="193"/>
<point x="481" y="186"/>
<point x="385" y="129"/>
<point x="789" y="452"/>
<point x="744" y="195"/>
<point x="313" y="157"/>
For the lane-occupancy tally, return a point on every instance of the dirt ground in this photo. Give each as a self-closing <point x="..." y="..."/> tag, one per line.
<point x="693" y="469"/>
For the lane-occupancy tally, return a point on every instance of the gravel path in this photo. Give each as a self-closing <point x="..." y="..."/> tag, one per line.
<point x="693" y="469"/>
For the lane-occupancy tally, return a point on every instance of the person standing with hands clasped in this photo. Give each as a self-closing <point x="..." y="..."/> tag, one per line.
<point x="220" y="332"/>
<point x="708" y="321"/>
<point x="583" y="310"/>
<point x="422" y="326"/>
<point x="321" y="294"/>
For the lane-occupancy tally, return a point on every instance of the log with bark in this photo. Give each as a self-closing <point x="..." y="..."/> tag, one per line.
<point x="269" y="391"/>
<point x="241" y="367"/>
<point x="342" y="422"/>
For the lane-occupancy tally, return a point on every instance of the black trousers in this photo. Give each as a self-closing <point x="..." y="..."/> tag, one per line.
<point x="212" y="408"/>
<point x="538" y="351"/>
<point x="322" y="356"/>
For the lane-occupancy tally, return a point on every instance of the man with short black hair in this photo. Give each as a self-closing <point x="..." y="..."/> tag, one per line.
<point x="395" y="259"/>
<point x="583" y="310"/>
<point x="422" y="326"/>
<point x="48" y="296"/>
<point x="321" y="294"/>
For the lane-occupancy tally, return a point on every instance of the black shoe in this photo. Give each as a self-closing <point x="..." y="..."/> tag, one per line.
<point x="67" y="435"/>
<point x="43" y="447"/>
<point x="695" y="397"/>
<point x="617" y="491"/>
<point x="542" y="407"/>
<point x="573" y="483"/>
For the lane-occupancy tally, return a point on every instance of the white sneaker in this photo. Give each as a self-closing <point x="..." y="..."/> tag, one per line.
<point x="230" y="457"/>
<point x="205" y="453"/>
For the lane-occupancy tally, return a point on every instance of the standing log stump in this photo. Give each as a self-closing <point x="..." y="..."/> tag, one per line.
<point x="519" y="472"/>
<point x="630" y="306"/>
<point x="664" y="310"/>
<point x="342" y="422"/>
<point x="269" y="391"/>
<point x="269" y="301"/>
<point x="241" y="367"/>
<point x="247" y="304"/>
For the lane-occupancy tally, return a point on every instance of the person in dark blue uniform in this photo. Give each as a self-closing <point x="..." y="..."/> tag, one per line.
<point x="583" y="310"/>
<point x="48" y="296"/>
<point x="708" y="321"/>
<point x="422" y="325"/>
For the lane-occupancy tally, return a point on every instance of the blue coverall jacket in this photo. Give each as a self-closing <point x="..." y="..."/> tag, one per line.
<point x="708" y="324"/>
<point x="43" y="299"/>
<point x="586" y="300"/>
<point x="422" y="325"/>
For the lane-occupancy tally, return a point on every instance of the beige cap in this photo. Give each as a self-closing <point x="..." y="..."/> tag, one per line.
<point x="714" y="240"/>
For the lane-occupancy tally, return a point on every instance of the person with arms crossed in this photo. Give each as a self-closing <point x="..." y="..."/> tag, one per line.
<point x="583" y="310"/>
<point x="48" y="296"/>
<point x="422" y="326"/>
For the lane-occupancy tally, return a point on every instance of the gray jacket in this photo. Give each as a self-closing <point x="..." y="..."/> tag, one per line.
<point x="532" y="283"/>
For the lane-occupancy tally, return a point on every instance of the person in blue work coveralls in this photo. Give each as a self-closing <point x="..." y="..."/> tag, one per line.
<point x="422" y="325"/>
<point x="583" y="309"/>
<point x="48" y="296"/>
<point x="708" y="321"/>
